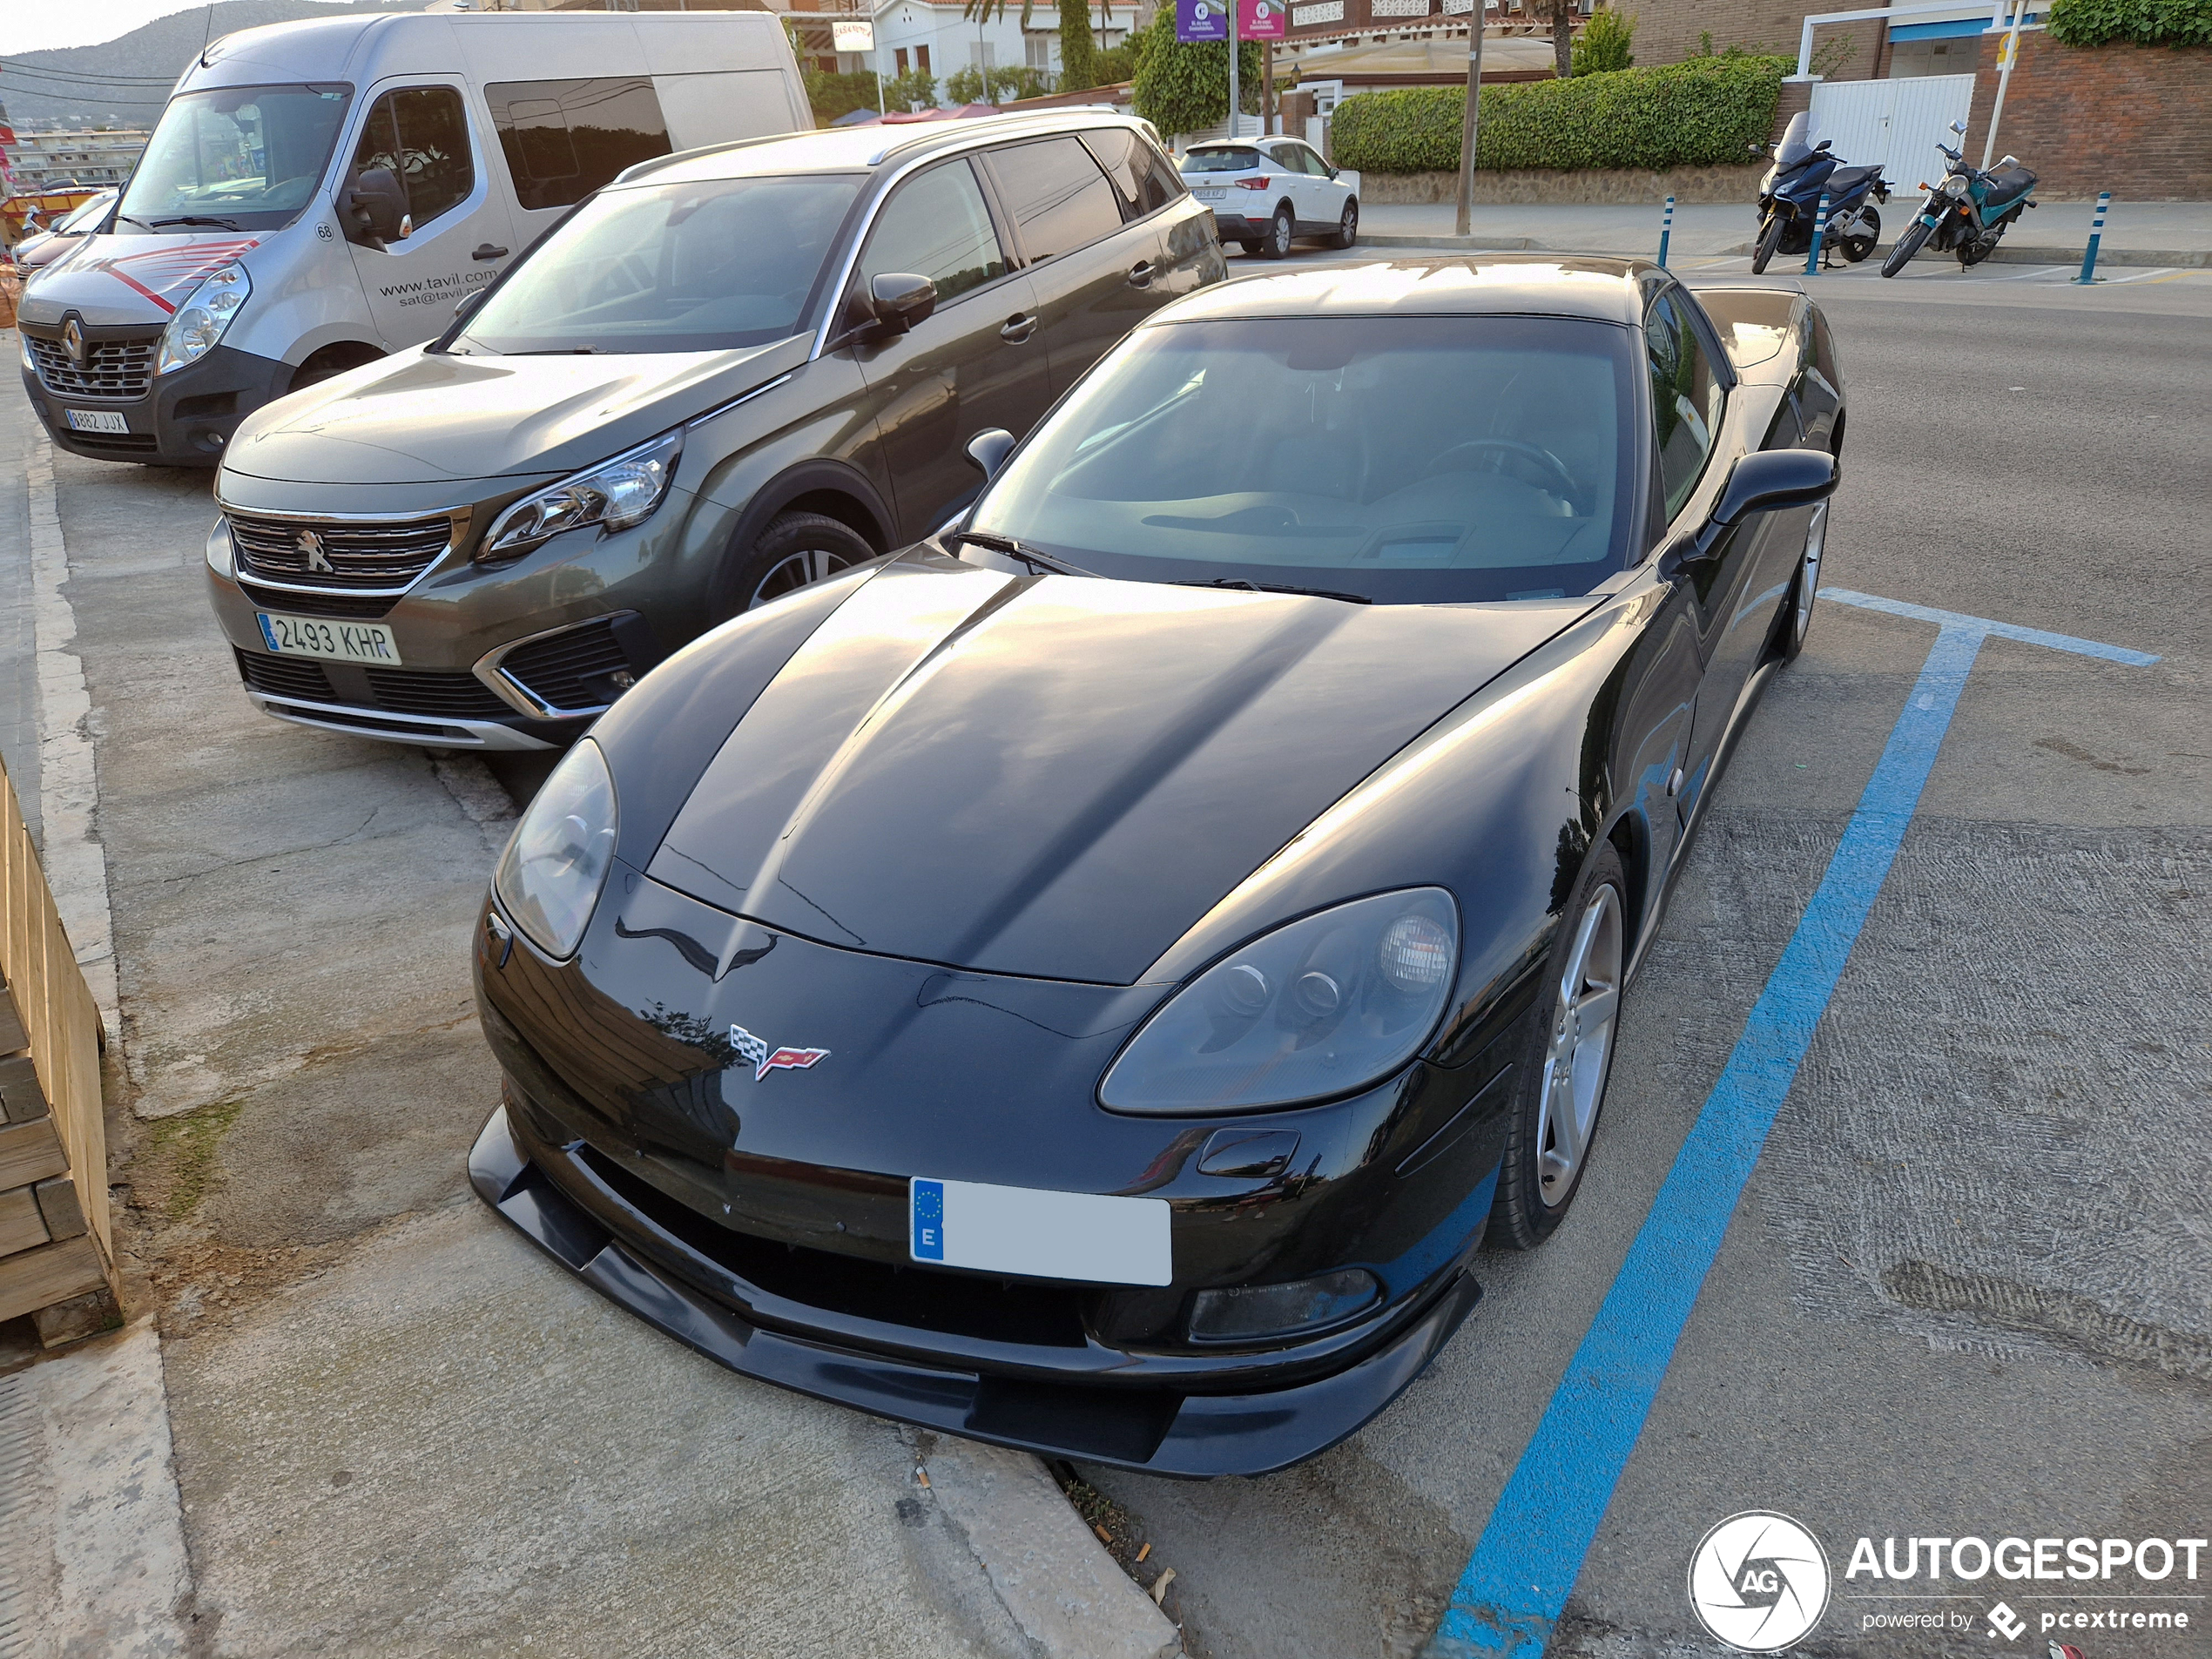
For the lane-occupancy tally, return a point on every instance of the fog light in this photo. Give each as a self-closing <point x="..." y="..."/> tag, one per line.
<point x="1253" y="1311"/>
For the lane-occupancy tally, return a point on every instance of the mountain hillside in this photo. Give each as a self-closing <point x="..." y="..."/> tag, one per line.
<point x="124" y="82"/>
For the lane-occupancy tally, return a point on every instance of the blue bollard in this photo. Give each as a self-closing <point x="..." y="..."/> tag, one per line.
<point x="1666" y="229"/>
<point x="1819" y="230"/>
<point x="2096" y="235"/>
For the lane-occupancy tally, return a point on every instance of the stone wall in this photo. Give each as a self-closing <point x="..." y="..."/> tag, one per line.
<point x="2136" y="120"/>
<point x="1596" y="184"/>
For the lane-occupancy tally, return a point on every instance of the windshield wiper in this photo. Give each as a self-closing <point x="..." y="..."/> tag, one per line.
<point x="129" y="219"/>
<point x="561" y="351"/>
<point x="1014" y="549"/>
<point x="190" y="218"/>
<point x="1273" y="586"/>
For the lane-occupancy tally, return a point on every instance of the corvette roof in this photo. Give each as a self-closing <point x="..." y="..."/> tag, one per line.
<point x="1431" y="284"/>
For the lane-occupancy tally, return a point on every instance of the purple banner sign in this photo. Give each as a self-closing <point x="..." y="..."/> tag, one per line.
<point x="1196" y="20"/>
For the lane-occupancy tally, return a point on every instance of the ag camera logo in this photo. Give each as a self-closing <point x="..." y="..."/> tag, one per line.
<point x="1759" y="1582"/>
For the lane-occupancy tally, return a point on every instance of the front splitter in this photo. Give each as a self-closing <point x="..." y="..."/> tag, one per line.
<point x="1207" y="1434"/>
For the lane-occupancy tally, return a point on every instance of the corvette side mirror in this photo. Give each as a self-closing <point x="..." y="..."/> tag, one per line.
<point x="990" y="448"/>
<point x="1773" y="479"/>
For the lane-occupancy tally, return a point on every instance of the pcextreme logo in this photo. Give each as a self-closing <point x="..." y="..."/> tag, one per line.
<point x="1758" y="1582"/>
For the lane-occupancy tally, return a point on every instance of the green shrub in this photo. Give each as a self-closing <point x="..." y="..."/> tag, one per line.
<point x="1704" y="112"/>
<point x="831" y="96"/>
<point x="2145" y="23"/>
<point x="1078" y="47"/>
<point x="916" y="90"/>
<point x="998" y="84"/>
<point x="1186" y="88"/>
<point x="1602" y="47"/>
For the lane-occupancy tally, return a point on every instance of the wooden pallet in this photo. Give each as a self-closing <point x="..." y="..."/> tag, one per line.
<point x="56" y="1251"/>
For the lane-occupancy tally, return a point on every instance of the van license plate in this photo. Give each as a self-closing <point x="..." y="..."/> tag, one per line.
<point x="97" y="421"/>
<point x="345" y="641"/>
<point x="1087" y="1236"/>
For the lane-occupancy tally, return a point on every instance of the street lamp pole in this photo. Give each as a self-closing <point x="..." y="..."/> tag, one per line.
<point x="1232" y="66"/>
<point x="1474" y="107"/>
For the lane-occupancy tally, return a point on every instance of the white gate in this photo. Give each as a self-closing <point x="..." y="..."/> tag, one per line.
<point x="1894" y="125"/>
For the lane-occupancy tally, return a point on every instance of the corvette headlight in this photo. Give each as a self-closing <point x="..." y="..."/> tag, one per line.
<point x="1322" y="1007"/>
<point x="199" y="322"/>
<point x="614" y="494"/>
<point x="557" y="861"/>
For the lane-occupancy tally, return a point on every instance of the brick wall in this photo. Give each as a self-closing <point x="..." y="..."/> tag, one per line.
<point x="2136" y="120"/>
<point x="1669" y="30"/>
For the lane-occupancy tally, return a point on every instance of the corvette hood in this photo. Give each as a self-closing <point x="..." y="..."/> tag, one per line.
<point x="1056" y="777"/>
<point x="417" y="415"/>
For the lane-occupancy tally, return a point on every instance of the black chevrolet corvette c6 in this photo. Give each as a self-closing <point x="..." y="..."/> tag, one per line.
<point x="1092" y="981"/>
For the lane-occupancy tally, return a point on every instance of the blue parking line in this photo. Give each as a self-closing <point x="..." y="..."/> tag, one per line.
<point x="1525" y="1565"/>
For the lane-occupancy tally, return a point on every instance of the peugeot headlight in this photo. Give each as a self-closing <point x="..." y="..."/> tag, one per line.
<point x="557" y="861"/>
<point x="1318" y="1007"/>
<point x="614" y="494"/>
<point x="199" y="322"/>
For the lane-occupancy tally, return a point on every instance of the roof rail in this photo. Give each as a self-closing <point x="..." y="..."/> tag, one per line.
<point x="639" y="169"/>
<point x="924" y="134"/>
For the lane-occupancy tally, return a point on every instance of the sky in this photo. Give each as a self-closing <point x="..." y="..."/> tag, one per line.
<point x="35" y="25"/>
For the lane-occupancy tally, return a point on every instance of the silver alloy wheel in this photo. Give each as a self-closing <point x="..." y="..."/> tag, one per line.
<point x="801" y="570"/>
<point x="1808" y="587"/>
<point x="1280" y="230"/>
<point x="1348" y="227"/>
<point x="1580" y="1051"/>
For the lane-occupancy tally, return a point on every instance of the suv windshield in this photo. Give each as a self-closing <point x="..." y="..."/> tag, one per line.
<point x="1404" y="460"/>
<point x="1236" y="160"/>
<point x="704" y="265"/>
<point x="247" y="158"/>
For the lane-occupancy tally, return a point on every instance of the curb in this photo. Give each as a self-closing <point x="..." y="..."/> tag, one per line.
<point x="1070" y="1598"/>
<point x="2194" y="259"/>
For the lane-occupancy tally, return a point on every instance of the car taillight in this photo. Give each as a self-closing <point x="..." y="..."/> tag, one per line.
<point x="1260" y="182"/>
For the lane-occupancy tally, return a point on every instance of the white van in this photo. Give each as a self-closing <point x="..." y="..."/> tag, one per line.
<point x="320" y="193"/>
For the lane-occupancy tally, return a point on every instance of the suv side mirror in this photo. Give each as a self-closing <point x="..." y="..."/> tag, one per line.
<point x="375" y="207"/>
<point x="990" y="448"/>
<point x="466" y="307"/>
<point x="1774" y="479"/>
<point x="901" y="299"/>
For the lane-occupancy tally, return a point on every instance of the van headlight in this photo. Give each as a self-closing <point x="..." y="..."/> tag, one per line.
<point x="614" y="495"/>
<point x="201" y="321"/>
<point x="1322" y="1007"/>
<point x="557" y="861"/>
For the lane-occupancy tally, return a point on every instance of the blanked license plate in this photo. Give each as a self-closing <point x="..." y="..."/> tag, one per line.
<point x="97" y="420"/>
<point x="1208" y="195"/>
<point x="1040" y="1235"/>
<point x="344" y="642"/>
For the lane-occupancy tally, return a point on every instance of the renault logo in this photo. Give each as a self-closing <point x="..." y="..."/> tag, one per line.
<point x="73" y="341"/>
<point x="310" y="544"/>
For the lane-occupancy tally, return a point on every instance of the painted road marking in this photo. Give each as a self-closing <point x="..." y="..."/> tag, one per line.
<point x="1516" y="1584"/>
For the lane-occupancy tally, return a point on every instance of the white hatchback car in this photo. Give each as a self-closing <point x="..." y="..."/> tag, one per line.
<point x="1266" y="191"/>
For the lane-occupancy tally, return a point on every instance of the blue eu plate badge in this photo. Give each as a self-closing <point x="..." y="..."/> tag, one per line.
<point x="1089" y="1235"/>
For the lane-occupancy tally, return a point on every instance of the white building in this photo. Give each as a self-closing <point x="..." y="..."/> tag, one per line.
<point x="933" y="35"/>
<point x="92" y="159"/>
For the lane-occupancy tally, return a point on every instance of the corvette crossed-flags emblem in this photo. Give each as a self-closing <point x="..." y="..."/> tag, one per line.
<point x="763" y="1060"/>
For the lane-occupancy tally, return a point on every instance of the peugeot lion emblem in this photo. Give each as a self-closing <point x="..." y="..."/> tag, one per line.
<point x="73" y="341"/>
<point x="763" y="1060"/>
<point x="311" y="545"/>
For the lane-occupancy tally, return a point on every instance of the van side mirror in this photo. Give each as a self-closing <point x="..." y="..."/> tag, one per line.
<point x="1773" y="479"/>
<point x="990" y="448"/>
<point x="375" y="207"/>
<point x="901" y="300"/>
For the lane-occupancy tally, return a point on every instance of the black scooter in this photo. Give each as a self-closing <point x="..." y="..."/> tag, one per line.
<point x="1790" y="200"/>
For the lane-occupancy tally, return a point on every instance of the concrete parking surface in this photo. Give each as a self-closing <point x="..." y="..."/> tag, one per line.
<point x="1968" y="1291"/>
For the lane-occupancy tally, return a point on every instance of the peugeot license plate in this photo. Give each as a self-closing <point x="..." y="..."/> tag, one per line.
<point x="97" y="421"/>
<point x="1040" y="1235"/>
<point x="345" y="641"/>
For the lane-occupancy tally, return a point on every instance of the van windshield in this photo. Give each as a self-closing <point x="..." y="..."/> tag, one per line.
<point x="233" y="158"/>
<point x="704" y="265"/>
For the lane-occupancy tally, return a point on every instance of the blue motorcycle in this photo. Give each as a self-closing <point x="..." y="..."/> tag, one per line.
<point x="1790" y="200"/>
<point x="1967" y="212"/>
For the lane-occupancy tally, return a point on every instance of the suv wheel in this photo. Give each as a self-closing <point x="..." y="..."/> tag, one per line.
<point x="795" y="551"/>
<point x="1348" y="227"/>
<point x="1279" y="231"/>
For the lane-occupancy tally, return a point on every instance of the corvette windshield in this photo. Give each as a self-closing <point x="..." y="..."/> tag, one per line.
<point x="234" y="157"/>
<point x="706" y="265"/>
<point x="1404" y="460"/>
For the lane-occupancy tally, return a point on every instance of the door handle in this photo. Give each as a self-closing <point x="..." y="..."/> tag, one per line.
<point x="486" y="251"/>
<point x="1019" y="327"/>
<point x="1140" y="274"/>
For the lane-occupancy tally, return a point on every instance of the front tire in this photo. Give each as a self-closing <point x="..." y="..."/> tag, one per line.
<point x="1563" y="1074"/>
<point x="1280" y="229"/>
<point x="795" y="551"/>
<point x="1347" y="228"/>
<point x="1769" y="240"/>
<point x="1804" y="587"/>
<point x="1914" y="238"/>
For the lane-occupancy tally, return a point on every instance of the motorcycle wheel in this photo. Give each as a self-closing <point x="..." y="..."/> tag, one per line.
<point x="1770" y="239"/>
<point x="1863" y="235"/>
<point x="1915" y="236"/>
<point x="1973" y="253"/>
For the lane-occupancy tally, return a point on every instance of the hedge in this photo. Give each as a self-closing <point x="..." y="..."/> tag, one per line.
<point x="2144" y="23"/>
<point x="1701" y="113"/>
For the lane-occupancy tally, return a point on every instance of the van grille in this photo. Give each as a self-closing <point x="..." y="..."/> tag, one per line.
<point x="356" y="556"/>
<point x="119" y="369"/>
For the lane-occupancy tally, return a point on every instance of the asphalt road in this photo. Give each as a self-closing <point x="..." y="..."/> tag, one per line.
<point x="1968" y="1290"/>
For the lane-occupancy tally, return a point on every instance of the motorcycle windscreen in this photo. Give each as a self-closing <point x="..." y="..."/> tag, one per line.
<point x="1797" y="140"/>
